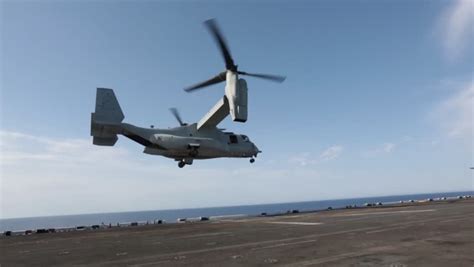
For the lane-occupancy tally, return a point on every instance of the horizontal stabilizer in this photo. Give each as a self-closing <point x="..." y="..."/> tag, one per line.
<point x="105" y="141"/>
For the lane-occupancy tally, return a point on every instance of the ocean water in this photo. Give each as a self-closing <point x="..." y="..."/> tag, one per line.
<point x="170" y="216"/>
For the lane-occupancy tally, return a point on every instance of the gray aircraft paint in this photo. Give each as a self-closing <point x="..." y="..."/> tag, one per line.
<point x="202" y="140"/>
<point x="183" y="143"/>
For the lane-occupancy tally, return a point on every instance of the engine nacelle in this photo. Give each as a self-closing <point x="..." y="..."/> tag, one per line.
<point x="239" y="107"/>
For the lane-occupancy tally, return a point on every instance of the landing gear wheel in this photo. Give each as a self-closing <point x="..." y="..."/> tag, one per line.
<point x="181" y="164"/>
<point x="252" y="160"/>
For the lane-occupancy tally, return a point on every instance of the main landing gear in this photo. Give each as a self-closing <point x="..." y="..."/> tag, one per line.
<point x="252" y="160"/>
<point x="193" y="152"/>
<point x="183" y="162"/>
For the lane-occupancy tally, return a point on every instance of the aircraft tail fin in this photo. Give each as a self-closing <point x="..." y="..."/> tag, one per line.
<point x="107" y="119"/>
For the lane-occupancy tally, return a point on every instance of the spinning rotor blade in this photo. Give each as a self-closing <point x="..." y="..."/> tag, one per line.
<point x="229" y="62"/>
<point x="270" y="77"/>
<point x="219" y="38"/>
<point x="175" y="113"/>
<point x="216" y="79"/>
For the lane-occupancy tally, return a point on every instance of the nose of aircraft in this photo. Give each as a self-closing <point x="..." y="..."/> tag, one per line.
<point x="255" y="149"/>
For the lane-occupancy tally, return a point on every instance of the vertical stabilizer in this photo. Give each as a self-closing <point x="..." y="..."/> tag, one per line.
<point x="107" y="118"/>
<point x="107" y="108"/>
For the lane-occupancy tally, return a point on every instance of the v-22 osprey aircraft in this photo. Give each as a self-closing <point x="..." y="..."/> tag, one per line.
<point x="187" y="142"/>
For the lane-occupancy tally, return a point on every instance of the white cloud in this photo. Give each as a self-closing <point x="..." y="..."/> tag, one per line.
<point x="331" y="153"/>
<point x="53" y="176"/>
<point x="43" y="176"/>
<point x="384" y="148"/>
<point x="455" y="114"/>
<point x="303" y="159"/>
<point x="388" y="147"/>
<point x="306" y="158"/>
<point x="456" y="28"/>
<point x="20" y="148"/>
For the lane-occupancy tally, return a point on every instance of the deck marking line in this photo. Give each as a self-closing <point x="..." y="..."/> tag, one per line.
<point x="154" y="263"/>
<point x="383" y="212"/>
<point x="286" y="244"/>
<point x="453" y="220"/>
<point x="361" y="253"/>
<point x="203" y="235"/>
<point x="387" y="229"/>
<point x="257" y="243"/>
<point x="235" y="246"/>
<point x="296" y="223"/>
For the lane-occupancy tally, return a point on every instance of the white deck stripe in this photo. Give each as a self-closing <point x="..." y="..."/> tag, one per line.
<point x="297" y="223"/>
<point x="383" y="212"/>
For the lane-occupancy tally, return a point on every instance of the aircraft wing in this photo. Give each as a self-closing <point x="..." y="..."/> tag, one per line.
<point x="215" y="115"/>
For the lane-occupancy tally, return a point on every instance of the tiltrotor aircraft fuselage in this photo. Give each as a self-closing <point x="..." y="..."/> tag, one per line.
<point x="201" y="140"/>
<point x="184" y="143"/>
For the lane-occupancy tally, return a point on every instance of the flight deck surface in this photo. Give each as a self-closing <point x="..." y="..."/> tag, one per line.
<point x="419" y="234"/>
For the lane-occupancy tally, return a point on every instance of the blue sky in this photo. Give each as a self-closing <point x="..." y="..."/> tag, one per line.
<point x="378" y="101"/>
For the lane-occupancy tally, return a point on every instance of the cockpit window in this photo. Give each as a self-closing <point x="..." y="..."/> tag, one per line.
<point x="245" y="138"/>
